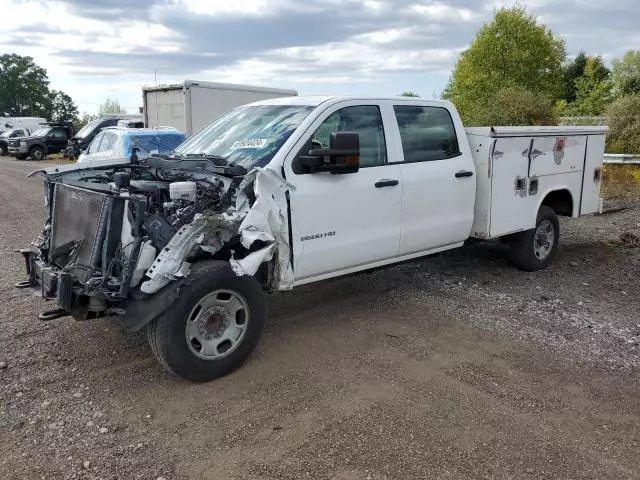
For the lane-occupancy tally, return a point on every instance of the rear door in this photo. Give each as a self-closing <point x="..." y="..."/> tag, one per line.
<point x="346" y="221"/>
<point x="57" y="139"/>
<point x="438" y="182"/>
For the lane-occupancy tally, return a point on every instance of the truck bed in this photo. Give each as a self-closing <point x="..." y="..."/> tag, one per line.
<point x="518" y="168"/>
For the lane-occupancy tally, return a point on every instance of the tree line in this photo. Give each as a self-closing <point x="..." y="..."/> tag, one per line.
<point x="516" y="72"/>
<point x="25" y="92"/>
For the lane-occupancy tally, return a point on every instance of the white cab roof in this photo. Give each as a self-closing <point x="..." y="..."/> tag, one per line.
<point x="314" y="101"/>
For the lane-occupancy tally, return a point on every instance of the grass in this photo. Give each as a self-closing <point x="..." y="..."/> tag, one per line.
<point x="620" y="182"/>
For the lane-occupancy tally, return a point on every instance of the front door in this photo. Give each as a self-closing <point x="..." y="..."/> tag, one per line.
<point x="438" y="179"/>
<point x="342" y="222"/>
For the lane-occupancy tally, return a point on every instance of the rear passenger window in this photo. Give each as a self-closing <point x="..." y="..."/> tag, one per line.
<point x="362" y="119"/>
<point x="427" y="133"/>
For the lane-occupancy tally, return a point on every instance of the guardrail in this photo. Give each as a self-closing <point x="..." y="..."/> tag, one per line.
<point x="622" y="158"/>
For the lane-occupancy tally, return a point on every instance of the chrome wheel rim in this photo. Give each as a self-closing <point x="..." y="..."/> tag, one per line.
<point x="544" y="239"/>
<point x="38" y="154"/>
<point x="217" y="325"/>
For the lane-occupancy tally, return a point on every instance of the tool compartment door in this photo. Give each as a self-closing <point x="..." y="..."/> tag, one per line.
<point x="592" y="176"/>
<point x="557" y="154"/>
<point x="509" y="168"/>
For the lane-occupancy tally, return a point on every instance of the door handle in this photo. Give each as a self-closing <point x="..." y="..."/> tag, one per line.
<point x="386" y="183"/>
<point x="464" y="173"/>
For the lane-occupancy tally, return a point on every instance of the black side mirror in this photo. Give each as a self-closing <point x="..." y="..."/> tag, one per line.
<point x="342" y="156"/>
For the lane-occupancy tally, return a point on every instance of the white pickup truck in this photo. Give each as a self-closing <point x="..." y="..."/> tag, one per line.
<point x="286" y="192"/>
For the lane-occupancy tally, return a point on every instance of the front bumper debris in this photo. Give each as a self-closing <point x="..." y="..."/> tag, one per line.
<point x="49" y="282"/>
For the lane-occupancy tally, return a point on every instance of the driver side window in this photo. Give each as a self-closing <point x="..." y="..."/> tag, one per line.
<point x="365" y="120"/>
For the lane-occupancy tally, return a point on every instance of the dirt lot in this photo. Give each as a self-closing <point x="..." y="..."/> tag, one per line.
<point x="455" y="366"/>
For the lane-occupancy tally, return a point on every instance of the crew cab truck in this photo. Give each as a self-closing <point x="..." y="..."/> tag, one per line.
<point x="286" y="192"/>
<point x="7" y="135"/>
<point x="50" y="138"/>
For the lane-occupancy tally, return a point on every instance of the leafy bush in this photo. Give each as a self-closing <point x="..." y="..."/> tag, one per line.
<point x="513" y="106"/>
<point x="623" y="119"/>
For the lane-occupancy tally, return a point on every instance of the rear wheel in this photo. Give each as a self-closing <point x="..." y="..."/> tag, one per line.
<point x="534" y="249"/>
<point x="214" y="325"/>
<point x="37" y="153"/>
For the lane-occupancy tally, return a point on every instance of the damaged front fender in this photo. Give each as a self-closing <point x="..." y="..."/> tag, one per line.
<point x="265" y="222"/>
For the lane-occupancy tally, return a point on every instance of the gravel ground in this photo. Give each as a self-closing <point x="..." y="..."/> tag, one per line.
<point x="456" y="366"/>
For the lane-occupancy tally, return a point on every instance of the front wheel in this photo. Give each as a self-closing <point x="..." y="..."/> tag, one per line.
<point x="37" y="153"/>
<point x="3" y="151"/>
<point x="533" y="250"/>
<point x="214" y="325"/>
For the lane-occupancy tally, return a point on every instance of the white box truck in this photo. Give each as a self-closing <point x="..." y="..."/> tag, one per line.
<point x="190" y="105"/>
<point x="292" y="192"/>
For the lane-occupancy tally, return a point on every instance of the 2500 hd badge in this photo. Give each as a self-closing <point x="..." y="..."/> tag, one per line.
<point x="317" y="235"/>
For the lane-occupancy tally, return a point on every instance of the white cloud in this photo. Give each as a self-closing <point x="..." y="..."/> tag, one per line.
<point x="93" y="49"/>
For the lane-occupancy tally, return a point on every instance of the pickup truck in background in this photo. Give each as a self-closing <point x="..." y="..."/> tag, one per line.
<point x="9" y="134"/>
<point x="49" y="138"/>
<point x="286" y="192"/>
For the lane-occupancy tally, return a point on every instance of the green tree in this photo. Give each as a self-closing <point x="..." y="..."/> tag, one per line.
<point x="111" y="107"/>
<point x="514" y="106"/>
<point x="570" y="73"/>
<point x="592" y="91"/>
<point x="409" y="94"/>
<point x="513" y="50"/>
<point x="623" y="119"/>
<point x="83" y="119"/>
<point x="62" y="107"/>
<point x="625" y="74"/>
<point x="24" y="87"/>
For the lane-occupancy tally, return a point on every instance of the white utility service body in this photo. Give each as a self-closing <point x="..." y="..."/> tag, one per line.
<point x="493" y="185"/>
<point x="190" y="105"/>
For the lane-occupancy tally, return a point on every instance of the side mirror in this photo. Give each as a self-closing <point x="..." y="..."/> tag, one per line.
<point x="342" y="156"/>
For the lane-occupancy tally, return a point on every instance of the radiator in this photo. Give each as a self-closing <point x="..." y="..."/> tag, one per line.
<point x="78" y="224"/>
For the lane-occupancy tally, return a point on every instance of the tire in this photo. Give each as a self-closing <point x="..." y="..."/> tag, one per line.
<point x="37" y="153"/>
<point x="3" y="151"/>
<point x="180" y="336"/>
<point x="534" y="249"/>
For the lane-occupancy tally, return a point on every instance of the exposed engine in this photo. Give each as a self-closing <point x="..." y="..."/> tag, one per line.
<point x="117" y="231"/>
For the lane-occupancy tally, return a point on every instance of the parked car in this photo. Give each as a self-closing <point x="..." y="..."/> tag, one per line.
<point x="51" y="138"/>
<point x="81" y="140"/>
<point x="9" y="134"/>
<point x="291" y="191"/>
<point x="118" y="143"/>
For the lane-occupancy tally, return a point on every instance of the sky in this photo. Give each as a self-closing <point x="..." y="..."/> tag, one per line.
<point x="98" y="49"/>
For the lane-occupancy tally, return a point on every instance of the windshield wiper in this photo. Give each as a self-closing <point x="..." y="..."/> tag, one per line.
<point x="217" y="159"/>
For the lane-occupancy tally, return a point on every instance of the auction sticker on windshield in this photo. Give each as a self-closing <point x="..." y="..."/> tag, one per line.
<point x="250" y="143"/>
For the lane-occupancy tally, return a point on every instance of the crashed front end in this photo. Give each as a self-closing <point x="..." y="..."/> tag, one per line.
<point x="120" y="239"/>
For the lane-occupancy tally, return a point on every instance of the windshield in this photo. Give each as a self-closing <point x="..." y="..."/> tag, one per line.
<point x="84" y="131"/>
<point x="163" y="143"/>
<point x="41" y="132"/>
<point x="248" y="136"/>
<point x="6" y="134"/>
